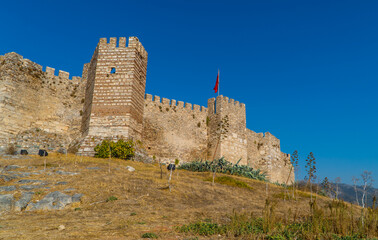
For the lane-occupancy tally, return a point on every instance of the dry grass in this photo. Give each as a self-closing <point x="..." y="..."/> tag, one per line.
<point x="144" y="203"/>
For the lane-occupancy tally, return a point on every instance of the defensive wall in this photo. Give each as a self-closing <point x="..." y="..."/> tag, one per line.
<point x="174" y="129"/>
<point x="36" y="103"/>
<point x="114" y="101"/>
<point x="42" y="109"/>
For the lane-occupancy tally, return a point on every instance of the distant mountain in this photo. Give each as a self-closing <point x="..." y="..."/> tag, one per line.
<point x="348" y="194"/>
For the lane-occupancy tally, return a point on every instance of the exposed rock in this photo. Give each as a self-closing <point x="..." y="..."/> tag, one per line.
<point x="7" y="188"/>
<point x="6" y="202"/>
<point x="23" y="201"/>
<point x="30" y="187"/>
<point x="61" y="227"/>
<point x="66" y="173"/>
<point x="22" y="181"/>
<point x="8" y="178"/>
<point x="54" y="200"/>
<point x="131" y="169"/>
<point x="77" y="197"/>
<point x="69" y="189"/>
<point x="61" y="183"/>
<point x="20" y="174"/>
<point x="93" y="168"/>
<point x="142" y="156"/>
<point x="11" y="167"/>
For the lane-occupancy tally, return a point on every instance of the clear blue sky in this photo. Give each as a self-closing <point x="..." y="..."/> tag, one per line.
<point x="306" y="70"/>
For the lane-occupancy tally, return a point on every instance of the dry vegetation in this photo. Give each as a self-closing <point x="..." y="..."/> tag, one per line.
<point x="143" y="202"/>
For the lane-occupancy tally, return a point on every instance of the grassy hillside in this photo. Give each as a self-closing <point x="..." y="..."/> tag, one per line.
<point x="119" y="204"/>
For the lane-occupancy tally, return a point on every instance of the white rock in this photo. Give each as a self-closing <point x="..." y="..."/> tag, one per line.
<point x="131" y="169"/>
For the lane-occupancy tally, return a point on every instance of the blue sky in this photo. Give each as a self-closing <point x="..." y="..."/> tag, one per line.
<point x="306" y="70"/>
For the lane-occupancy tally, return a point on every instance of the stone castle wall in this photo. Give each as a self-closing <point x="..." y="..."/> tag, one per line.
<point x="41" y="110"/>
<point x="36" y="103"/>
<point x="227" y="130"/>
<point x="264" y="152"/>
<point x="174" y="129"/>
<point x="115" y="92"/>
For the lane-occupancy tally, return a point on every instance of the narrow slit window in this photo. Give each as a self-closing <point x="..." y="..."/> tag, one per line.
<point x="113" y="70"/>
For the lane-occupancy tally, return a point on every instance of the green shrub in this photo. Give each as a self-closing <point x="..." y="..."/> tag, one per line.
<point x="201" y="228"/>
<point x="111" y="198"/>
<point x="149" y="235"/>
<point x="224" y="166"/>
<point x="120" y="149"/>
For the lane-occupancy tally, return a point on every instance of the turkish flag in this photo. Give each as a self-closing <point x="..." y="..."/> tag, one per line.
<point x="216" y="84"/>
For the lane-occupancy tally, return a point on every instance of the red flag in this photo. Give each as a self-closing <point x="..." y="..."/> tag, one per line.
<point x="216" y="84"/>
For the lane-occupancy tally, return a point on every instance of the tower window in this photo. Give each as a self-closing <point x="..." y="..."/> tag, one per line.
<point x="113" y="70"/>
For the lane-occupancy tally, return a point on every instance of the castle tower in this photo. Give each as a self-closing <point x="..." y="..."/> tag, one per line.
<point x="227" y="130"/>
<point x="114" y="97"/>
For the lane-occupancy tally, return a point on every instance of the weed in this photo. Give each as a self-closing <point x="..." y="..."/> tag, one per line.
<point x="11" y="150"/>
<point x="111" y="198"/>
<point x="77" y="209"/>
<point x="335" y="223"/>
<point x="149" y="235"/>
<point x="226" y="180"/>
<point x="133" y="214"/>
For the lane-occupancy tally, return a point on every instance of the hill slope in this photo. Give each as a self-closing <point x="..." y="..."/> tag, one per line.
<point x="121" y="204"/>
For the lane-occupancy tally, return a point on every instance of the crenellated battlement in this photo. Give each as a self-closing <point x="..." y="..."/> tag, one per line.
<point x="122" y="43"/>
<point x="174" y="103"/>
<point x="50" y="72"/>
<point x="224" y="102"/>
<point x="229" y="101"/>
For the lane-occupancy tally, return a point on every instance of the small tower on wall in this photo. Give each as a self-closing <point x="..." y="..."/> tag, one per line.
<point x="227" y="130"/>
<point x="114" y="95"/>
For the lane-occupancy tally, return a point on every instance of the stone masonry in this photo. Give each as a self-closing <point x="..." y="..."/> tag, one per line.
<point x="37" y="108"/>
<point x="114" y="97"/>
<point x="41" y="110"/>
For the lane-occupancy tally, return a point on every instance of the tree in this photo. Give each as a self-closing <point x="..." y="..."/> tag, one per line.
<point x="311" y="170"/>
<point x="217" y="164"/>
<point x="367" y="182"/>
<point x="355" y="181"/>
<point x="337" y="181"/>
<point x="294" y="159"/>
<point x="222" y="130"/>
<point x="326" y="186"/>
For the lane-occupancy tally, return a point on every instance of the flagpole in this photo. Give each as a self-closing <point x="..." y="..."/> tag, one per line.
<point x="218" y="82"/>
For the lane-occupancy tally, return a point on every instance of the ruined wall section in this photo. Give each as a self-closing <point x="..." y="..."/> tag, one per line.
<point x="37" y="101"/>
<point x="264" y="153"/>
<point x="174" y="129"/>
<point x="233" y="140"/>
<point x="115" y="93"/>
<point x="89" y="73"/>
